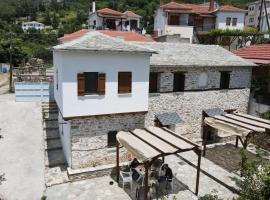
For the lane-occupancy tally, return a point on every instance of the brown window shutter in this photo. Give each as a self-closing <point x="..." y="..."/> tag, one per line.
<point x="124" y="82"/>
<point x="81" y="85"/>
<point x="101" y="84"/>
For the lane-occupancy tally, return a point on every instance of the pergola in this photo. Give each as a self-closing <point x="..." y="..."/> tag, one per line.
<point x="150" y="143"/>
<point x="233" y="123"/>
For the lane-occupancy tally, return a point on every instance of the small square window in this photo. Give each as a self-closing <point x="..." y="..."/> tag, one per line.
<point x="234" y="21"/>
<point x="112" y="138"/>
<point x="228" y="21"/>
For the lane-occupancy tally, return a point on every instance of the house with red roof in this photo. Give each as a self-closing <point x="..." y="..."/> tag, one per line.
<point x="125" y="35"/>
<point x="109" y="19"/>
<point x="185" y="19"/>
<point x="259" y="55"/>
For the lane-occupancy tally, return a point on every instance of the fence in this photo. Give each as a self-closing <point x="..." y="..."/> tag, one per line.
<point x="36" y="91"/>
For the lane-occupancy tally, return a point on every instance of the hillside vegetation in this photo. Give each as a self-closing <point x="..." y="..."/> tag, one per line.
<point x="61" y="18"/>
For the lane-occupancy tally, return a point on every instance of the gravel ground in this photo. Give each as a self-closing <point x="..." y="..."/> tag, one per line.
<point x="21" y="149"/>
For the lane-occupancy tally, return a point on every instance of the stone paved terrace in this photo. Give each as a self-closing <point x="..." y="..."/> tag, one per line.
<point x="213" y="177"/>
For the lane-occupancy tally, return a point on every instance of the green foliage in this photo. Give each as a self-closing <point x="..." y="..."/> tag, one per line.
<point x="255" y="180"/>
<point x="265" y="115"/>
<point x="235" y="32"/>
<point x="210" y="197"/>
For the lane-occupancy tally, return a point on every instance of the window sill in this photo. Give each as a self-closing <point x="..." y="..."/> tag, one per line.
<point x="124" y="94"/>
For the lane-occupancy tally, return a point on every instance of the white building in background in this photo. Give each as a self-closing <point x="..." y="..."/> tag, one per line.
<point x="32" y="25"/>
<point x="108" y="19"/>
<point x="185" y="19"/>
<point x="254" y="9"/>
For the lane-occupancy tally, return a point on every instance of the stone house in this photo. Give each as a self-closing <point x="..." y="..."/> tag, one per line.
<point x="105" y="84"/>
<point x="186" y="19"/>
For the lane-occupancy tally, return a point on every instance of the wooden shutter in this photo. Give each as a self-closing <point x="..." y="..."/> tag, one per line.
<point x="124" y="82"/>
<point x="101" y="84"/>
<point x="81" y="85"/>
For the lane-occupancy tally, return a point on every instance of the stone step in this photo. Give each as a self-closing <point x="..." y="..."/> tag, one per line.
<point x="51" y="134"/>
<point x="51" y="124"/>
<point x="56" y="175"/>
<point x="54" y="158"/>
<point x="53" y="144"/>
<point x="49" y="110"/>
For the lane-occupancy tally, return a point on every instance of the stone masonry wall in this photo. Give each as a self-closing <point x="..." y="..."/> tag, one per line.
<point x="89" y="138"/>
<point x="240" y="77"/>
<point x="189" y="106"/>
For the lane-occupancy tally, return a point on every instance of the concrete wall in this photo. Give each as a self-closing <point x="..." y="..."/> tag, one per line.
<point x="64" y="129"/>
<point x="89" y="138"/>
<point x="160" y="21"/>
<point x="184" y="31"/>
<point x="221" y="20"/>
<point x="255" y="108"/>
<point x="58" y="79"/>
<point x="110" y="64"/>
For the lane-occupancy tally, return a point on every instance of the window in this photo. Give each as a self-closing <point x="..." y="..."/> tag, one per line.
<point x="179" y="82"/>
<point x="174" y="20"/>
<point x="111" y="138"/>
<point x="225" y="80"/>
<point x="153" y="82"/>
<point x="234" y="21"/>
<point x="90" y="83"/>
<point x="228" y="21"/>
<point x="124" y="82"/>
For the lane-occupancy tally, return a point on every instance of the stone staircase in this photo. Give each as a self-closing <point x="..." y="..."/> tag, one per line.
<point x="55" y="165"/>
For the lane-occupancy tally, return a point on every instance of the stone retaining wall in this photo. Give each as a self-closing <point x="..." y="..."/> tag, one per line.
<point x="89" y="138"/>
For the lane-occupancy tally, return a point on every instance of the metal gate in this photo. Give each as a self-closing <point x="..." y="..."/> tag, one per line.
<point x="34" y="91"/>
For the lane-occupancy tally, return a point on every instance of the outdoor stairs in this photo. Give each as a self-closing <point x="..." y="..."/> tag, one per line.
<point x="55" y="165"/>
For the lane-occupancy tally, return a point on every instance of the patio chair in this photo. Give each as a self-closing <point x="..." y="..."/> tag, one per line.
<point x="126" y="178"/>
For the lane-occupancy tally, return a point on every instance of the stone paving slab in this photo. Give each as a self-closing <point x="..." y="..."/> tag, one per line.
<point x="93" y="189"/>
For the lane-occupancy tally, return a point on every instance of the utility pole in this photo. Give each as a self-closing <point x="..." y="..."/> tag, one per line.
<point x="10" y="63"/>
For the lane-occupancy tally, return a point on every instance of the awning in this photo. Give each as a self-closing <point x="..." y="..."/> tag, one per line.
<point x="152" y="142"/>
<point x="167" y="119"/>
<point x="236" y="123"/>
<point x="227" y="128"/>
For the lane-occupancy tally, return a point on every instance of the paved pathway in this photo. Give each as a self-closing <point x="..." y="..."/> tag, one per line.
<point x="21" y="149"/>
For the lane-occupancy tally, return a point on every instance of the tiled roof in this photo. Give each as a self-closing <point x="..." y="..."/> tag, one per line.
<point x="199" y="9"/>
<point x="259" y="54"/>
<point x="128" y="36"/>
<point x="131" y="14"/>
<point x="191" y="8"/>
<point x="108" y="11"/>
<point x="193" y="55"/>
<point x="96" y="41"/>
<point x="74" y="35"/>
<point x="230" y="9"/>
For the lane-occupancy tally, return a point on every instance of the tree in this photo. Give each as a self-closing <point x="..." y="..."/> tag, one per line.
<point x="55" y="21"/>
<point x="47" y="18"/>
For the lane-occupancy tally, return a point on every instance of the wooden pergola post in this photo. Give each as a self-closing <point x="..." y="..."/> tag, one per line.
<point x="199" y="153"/>
<point x="117" y="162"/>
<point x="146" y="166"/>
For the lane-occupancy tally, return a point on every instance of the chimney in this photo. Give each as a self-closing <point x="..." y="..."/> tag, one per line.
<point x="93" y="6"/>
<point x="161" y="3"/>
<point x="212" y="5"/>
